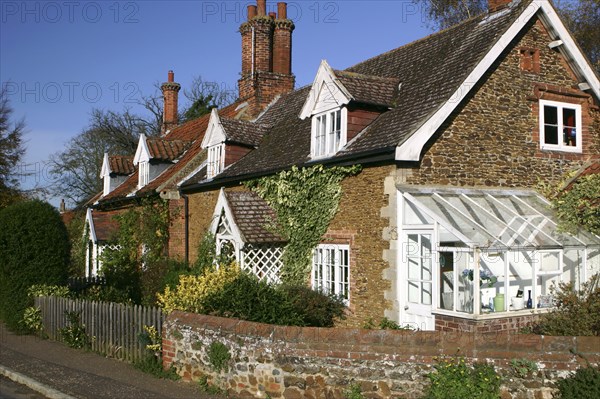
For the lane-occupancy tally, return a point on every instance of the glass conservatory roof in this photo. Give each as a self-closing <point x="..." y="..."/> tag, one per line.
<point x="492" y="219"/>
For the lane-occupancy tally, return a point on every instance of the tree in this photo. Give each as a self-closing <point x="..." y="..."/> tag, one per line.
<point x="78" y="166"/>
<point x="204" y="96"/>
<point x="582" y="17"/>
<point x="11" y="151"/>
<point x="34" y="249"/>
<point x="442" y="14"/>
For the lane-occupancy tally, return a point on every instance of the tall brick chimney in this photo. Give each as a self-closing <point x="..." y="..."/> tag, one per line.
<point x="266" y="56"/>
<point x="170" y="91"/>
<point x="495" y="5"/>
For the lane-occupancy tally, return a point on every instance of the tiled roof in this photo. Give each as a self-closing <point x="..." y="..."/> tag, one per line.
<point x="430" y="70"/>
<point x="105" y="225"/>
<point x="121" y="165"/>
<point x="243" y="132"/>
<point x="254" y="217"/>
<point x="190" y="132"/>
<point x="370" y="89"/>
<point x="166" y="149"/>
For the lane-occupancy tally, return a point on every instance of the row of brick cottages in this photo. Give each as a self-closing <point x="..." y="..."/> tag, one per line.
<point x="452" y="132"/>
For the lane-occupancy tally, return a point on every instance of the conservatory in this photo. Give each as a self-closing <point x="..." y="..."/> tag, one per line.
<point x="484" y="253"/>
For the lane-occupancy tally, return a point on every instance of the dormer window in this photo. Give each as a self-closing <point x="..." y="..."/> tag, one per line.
<point x="560" y="126"/>
<point x="328" y="132"/>
<point x="144" y="174"/>
<point x="216" y="160"/>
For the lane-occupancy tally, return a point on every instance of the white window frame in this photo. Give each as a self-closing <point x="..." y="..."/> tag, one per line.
<point x="216" y="160"/>
<point x="322" y="278"/>
<point x="143" y="173"/>
<point x="106" y="185"/>
<point x="560" y="126"/>
<point x="327" y="144"/>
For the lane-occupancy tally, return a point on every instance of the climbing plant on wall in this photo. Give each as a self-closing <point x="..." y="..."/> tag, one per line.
<point x="305" y="201"/>
<point x="576" y="203"/>
<point x="139" y="244"/>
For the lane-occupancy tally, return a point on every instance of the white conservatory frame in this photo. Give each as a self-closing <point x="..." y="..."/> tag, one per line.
<point x="481" y="235"/>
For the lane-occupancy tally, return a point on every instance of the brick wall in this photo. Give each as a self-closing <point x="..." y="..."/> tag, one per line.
<point x="493" y="139"/>
<point x="358" y="119"/>
<point x="508" y="324"/>
<point x="359" y="221"/>
<point x="234" y="153"/>
<point x="177" y="229"/>
<point x="294" y="362"/>
<point x="201" y="207"/>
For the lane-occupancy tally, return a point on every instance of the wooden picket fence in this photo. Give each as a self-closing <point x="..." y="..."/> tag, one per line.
<point x="114" y="329"/>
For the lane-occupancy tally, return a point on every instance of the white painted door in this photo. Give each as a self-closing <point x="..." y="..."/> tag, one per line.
<point x="416" y="282"/>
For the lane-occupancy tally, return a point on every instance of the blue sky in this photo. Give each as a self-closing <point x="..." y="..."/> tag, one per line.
<point x="60" y="59"/>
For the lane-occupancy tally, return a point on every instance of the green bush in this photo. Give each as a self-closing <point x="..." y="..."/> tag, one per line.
<point x="453" y="378"/>
<point x="74" y="334"/>
<point x="190" y="293"/>
<point x="157" y="275"/>
<point x="248" y="298"/>
<point x="583" y="384"/>
<point x="34" y="249"/>
<point x="316" y="309"/>
<point x="123" y="277"/>
<point x="577" y="313"/>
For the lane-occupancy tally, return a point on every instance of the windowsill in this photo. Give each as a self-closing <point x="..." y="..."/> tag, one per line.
<point x="493" y="315"/>
<point x="556" y="148"/>
<point x="322" y="157"/>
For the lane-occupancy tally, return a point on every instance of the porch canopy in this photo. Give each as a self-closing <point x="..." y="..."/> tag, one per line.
<point x="492" y="243"/>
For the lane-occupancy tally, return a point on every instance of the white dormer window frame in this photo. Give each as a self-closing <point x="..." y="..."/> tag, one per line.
<point x="329" y="132"/>
<point x="216" y="160"/>
<point x="560" y="126"/>
<point x="143" y="173"/>
<point x="326" y="106"/>
<point x="105" y="175"/>
<point x="142" y="160"/>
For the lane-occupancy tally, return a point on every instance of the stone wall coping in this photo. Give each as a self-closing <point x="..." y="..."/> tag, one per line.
<point x="470" y="344"/>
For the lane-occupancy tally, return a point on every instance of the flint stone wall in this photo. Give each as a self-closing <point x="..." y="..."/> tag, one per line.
<point x="294" y="362"/>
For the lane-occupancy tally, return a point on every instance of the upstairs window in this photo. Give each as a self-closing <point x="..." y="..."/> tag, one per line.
<point x="144" y="174"/>
<point x="331" y="270"/>
<point x="560" y="126"/>
<point x="216" y="160"/>
<point x="329" y="132"/>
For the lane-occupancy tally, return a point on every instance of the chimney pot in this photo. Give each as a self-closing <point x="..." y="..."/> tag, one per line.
<point x="251" y="12"/>
<point x="272" y="15"/>
<point x="282" y="10"/>
<point x="171" y="77"/>
<point x="262" y="7"/>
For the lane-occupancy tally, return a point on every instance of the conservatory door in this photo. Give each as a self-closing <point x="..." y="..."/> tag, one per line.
<point x="416" y="282"/>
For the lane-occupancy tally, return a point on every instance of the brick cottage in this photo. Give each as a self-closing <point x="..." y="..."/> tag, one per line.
<point x="441" y="229"/>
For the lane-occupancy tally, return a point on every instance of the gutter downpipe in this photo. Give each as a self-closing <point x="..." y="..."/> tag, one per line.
<point x="186" y="227"/>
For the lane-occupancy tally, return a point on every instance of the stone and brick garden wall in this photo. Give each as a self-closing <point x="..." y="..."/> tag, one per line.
<point x="259" y="360"/>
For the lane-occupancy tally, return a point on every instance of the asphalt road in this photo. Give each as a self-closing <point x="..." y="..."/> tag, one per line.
<point x="11" y="390"/>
